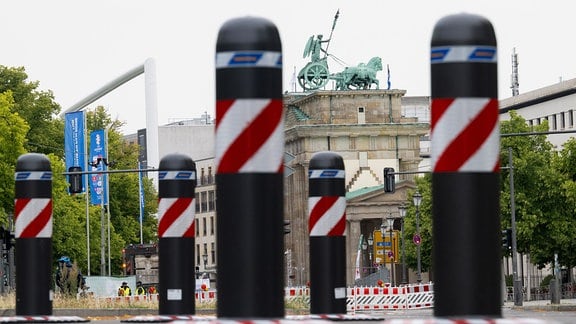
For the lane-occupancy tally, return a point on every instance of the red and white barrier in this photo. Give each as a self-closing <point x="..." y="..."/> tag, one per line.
<point x="379" y="298"/>
<point x="358" y="298"/>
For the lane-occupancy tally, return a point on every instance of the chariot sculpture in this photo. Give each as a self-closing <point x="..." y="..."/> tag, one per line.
<point x="316" y="74"/>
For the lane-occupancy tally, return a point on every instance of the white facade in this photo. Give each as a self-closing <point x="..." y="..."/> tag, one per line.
<point x="555" y="103"/>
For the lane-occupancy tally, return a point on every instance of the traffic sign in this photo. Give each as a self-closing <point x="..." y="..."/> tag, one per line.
<point x="384" y="250"/>
<point x="417" y="239"/>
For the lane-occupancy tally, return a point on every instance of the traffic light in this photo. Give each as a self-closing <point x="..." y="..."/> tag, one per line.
<point x="8" y="238"/>
<point x="286" y="227"/>
<point x="507" y="239"/>
<point x="389" y="180"/>
<point x="75" y="180"/>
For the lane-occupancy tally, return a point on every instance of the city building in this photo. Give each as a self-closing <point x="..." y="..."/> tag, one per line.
<point x="555" y="103"/>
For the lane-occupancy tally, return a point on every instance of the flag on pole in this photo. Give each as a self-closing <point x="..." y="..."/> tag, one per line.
<point x="293" y="81"/>
<point x="357" y="272"/>
<point x="388" y="70"/>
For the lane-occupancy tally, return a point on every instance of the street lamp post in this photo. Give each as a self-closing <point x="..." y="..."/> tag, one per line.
<point x="417" y="199"/>
<point x="205" y="259"/>
<point x="391" y="255"/>
<point x="402" y="210"/>
<point x="370" y="245"/>
<point x="364" y="248"/>
<point x="383" y="265"/>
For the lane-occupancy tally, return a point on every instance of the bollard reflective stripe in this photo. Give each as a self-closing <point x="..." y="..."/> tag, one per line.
<point x="176" y="217"/>
<point x="249" y="59"/>
<point x="250" y="136"/>
<point x="466" y="136"/>
<point x="327" y="216"/>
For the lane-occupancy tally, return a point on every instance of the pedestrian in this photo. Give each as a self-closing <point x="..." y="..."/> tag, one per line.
<point x="140" y="289"/>
<point x="62" y="275"/>
<point x="124" y="290"/>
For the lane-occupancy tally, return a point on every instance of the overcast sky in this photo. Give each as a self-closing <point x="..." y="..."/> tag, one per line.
<point x="75" y="47"/>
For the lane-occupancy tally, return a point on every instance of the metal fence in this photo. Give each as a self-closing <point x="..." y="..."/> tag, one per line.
<point x="542" y="293"/>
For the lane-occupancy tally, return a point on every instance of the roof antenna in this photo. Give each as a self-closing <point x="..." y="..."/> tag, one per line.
<point x="514" y="80"/>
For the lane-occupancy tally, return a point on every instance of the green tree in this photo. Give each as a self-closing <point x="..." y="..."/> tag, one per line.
<point x="37" y="108"/>
<point x="423" y="185"/>
<point x="542" y="217"/>
<point x="68" y="217"/>
<point x="565" y="164"/>
<point x="12" y="142"/>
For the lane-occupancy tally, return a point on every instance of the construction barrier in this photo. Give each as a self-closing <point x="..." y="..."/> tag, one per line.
<point x="358" y="299"/>
<point x="378" y="298"/>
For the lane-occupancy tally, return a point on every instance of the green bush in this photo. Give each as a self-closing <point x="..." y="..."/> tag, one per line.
<point x="546" y="281"/>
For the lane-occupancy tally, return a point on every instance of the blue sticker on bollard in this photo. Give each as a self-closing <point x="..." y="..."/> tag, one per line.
<point x="177" y="175"/>
<point x="249" y="59"/>
<point x="33" y="175"/>
<point x="315" y="174"/>
<point x="463" y="54"/>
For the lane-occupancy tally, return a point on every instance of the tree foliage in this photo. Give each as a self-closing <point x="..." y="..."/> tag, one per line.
<point x="423" y="186"/>
<point x="544" y="223"/>
<point x="38" y="108"/>
<point x="12" y="142"/>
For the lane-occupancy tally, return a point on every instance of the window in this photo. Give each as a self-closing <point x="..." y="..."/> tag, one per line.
<point x="204" y="201"/>
<point x="562" y="120"/>
<point x="204" y="226"/>
<point x="197" y="253"/>
<point x="211" y="198"/>
<point x="361" y="115"/>
<point x="197" y="198"/>
<point x="197" y="225"/>
<point x="210" y="178"/>
<point x="570" y="118"/>
<point x="211" y="225"/>
<point x="213" y="252"/>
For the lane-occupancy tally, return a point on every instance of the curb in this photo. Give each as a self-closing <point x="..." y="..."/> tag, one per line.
<point x="546" y="308"/>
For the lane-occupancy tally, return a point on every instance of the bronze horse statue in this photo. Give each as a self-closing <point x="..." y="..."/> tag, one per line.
<point x="358" y="77"/>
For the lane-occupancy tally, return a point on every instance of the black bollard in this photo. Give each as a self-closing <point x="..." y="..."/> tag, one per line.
<point x="465" y="159"/>
<point x="176" y="209"/>
<point x="33" y="233"/>
<point x="249" y="176"/>
<point x="327" y="227"/>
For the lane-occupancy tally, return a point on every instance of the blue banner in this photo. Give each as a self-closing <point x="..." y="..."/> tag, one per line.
<point x="98" y="182"/>
<point x="74" y="145"/>
<point x="141" y="189"/>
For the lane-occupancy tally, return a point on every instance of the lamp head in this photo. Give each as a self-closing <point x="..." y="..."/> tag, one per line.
<point x="417" y="198"/>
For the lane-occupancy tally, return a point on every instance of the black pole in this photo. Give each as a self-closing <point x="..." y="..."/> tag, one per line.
<point x="465" y="158"/>
<point x="249" y="176"/>
<point x="33" y="233"/>
<point x="176" y="209"/>
<point x="327" y="226"/>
